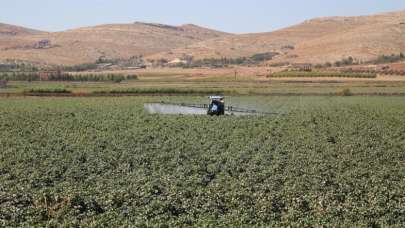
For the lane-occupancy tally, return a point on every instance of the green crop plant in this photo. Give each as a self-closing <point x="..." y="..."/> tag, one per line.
<point x="328" y="162"/>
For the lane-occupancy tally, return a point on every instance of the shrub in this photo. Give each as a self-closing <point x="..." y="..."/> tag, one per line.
<point x="11" y="67"/>
<point x="261" y="57"/>
<point x="80" y="67"/>
<point x="346" y="62"/>
<point x="59" y="76"/>
<point x="328" y="64"/>
<point x="224" y="62"/>
<point x="48" y="90"/>
<point x="388" y="58"/>
<point x="3" y="83"/>
<point x="163" y="91"/>
<point x="132" y="77"/>
<point x="20" y="76"/>
<point x="345" y="92"/>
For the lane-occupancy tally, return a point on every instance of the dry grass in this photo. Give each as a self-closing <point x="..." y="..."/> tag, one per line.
<point x="315" y="41"/>
<point x="12" y="30"/>
<point x="86" y="45"/>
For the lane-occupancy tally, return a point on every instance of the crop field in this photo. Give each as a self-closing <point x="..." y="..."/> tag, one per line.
<point x="226" y="87"/>
<point x="316" y="74"/>
<point x="228" y="81"/>
<point x="328" y="161"/>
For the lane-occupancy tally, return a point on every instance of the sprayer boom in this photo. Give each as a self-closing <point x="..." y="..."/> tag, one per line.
<point x="216" y="107"/>
<point x="227" y="109"/>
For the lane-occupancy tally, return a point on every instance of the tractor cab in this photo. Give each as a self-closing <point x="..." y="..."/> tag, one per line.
<point x="216" y="106"/>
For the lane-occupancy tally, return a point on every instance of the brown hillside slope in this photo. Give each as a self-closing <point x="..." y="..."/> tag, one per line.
<point x="86" y="45"/>
<point x="314" y="41"/>
<point x="7" y="30"/>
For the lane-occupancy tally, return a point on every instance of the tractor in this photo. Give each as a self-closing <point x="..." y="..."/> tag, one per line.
<point x="216" y="106"/>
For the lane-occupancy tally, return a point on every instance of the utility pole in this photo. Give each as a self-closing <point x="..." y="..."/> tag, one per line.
<point x="236" y="74"/>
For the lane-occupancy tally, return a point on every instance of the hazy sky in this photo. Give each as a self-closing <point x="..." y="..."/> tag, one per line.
<point x="237" y="16"/>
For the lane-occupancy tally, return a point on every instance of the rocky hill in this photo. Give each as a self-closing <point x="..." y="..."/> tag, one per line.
<point x="88" y="44"/>
<point x="313" y="41"/>
<point x="319" y="40"/>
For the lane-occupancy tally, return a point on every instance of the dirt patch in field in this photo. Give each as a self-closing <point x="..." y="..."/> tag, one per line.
<point x="380" y="78"/>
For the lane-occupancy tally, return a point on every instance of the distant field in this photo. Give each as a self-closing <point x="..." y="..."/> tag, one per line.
<point x="246" y="81"/>
<point x="330" y="161"/>
<point x="317" y="74"/>
<point x="305" y="86"/>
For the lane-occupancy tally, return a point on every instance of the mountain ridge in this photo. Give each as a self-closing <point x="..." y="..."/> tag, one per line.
<point x="14" y="30"/>
<point x="318" y="40"/>
<point x="87" y="44"/>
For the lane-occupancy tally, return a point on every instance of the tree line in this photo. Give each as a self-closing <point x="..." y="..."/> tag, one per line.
<point x="59" y="76"/>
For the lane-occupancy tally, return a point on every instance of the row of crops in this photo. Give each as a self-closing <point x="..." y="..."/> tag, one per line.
<point x="330" y="161"/>
<point x="58" y="76"/>
<point x="318" y="74"/>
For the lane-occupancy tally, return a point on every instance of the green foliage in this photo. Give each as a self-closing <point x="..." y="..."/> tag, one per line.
<point x="389" y="58"/>
<point x="104" y="162"/>
<point x="345" y="62"/>
<point x="100" y="77"/>
<point x="287" y="74"/>
<point x="279" y="64"/>
<point x="345" y="92"/>
<point x="19" y="76"/>
<point x="134" y="61"/>
<point x="224" y="62"/>
<point x="80" y="67"/>
<point x="261" y="57"/>
<point x="131" y="77"/>
<point x="59" y="76"/>
<point x="13" y="67"/>
<point x="380" y="60"/>
<point x="328" y="64"/>
<point x="165" y="91"/>
<point x="48" y="90"/>
<point x="213" y="62"/>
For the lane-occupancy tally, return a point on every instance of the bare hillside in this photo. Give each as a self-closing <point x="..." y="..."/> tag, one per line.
<point x="313" y="41"/>
<point x="7" y="30"/>
<point x="111" y="41"/>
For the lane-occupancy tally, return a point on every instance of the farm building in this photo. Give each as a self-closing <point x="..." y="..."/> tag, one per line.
<point x="3" y="83"/>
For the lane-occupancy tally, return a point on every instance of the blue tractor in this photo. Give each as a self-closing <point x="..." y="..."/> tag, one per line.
<point x="216" y="106"/>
